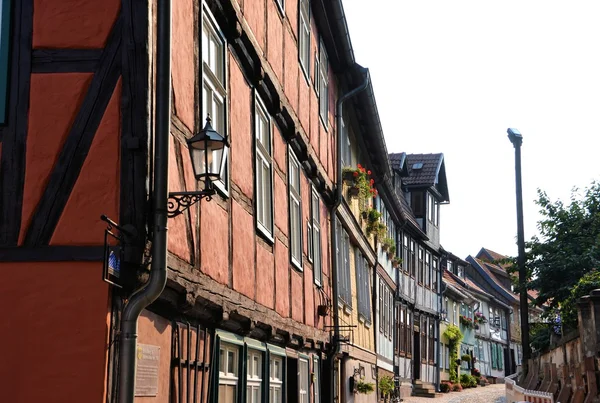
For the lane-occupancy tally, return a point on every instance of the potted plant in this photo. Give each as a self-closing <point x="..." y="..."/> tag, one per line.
<point x="386" y="386"/>
<point x="373" y="221"/>
<point x="391" y="251"/>
<point x="385" y="245"/>
<point x="364" y="387"/>
<point x="396" y="262"/>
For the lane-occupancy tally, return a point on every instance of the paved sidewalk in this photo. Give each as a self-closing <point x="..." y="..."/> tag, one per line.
<point x="486" y="394"/>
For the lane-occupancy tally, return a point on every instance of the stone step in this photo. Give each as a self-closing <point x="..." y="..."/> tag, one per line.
<point x="427" y="394"/>
<point x="424" y="390"/>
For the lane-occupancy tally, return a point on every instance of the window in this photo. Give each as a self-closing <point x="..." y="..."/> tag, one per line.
<point x="303" y="396"/>
<point x="423" y="339"/>
<point x="381" y="308"/>
<point x="276" y="380"/>
<point x="5" y="13"/>
<point x="264" y="185"/>
<point x="214" y="93"/>
<point x="460" y="271"/>
<point x="316" y="236"/>
<point x="281" y="5"/>
<point x="431" y="341"/>
<point x="343" y="252"/>
<point x="405" y="254"/>
<point x="430" y="208"/>
<point x="413" y="259"/>
<point x="323" y="84"/>
<point x="503" y="319"/>
<point x="346" y="146"/>
<point x="295" y="210"/>
<point x="421" y="267"/>
<point x="228" y="373"/>
<point x="254" y="378"/>
<point x="384" y="313"/>
<point x="317" y="380"/>
<point x="409" y="333"/>
<point x="435" y="274"/>
<point x="454" y="315"/>
<point x="390" y="314"/>
<point x="450" y="267"/>
<point x="304" y="36"/>
<point x="427" y="269"/>
<point x="402" y="330"/>
<point x="363" y="286"/>
<point x="416" y="203"/>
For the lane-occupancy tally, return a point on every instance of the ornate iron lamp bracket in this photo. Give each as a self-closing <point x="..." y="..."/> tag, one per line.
<point x="181" y="201"/>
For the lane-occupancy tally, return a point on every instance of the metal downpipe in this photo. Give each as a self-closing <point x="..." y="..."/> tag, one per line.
<point x="158" y="273"/>
<point x="334" y="235"/>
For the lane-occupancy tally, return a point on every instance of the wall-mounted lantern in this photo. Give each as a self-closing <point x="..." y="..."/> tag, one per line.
<point x="208" y="152"/>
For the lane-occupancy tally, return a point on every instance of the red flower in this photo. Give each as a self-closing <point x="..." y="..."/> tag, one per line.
<point x="372" y="181"/>
<point x="359" y="166"/>
<point x="355" y="173"/>
<point x="369" y="172"/>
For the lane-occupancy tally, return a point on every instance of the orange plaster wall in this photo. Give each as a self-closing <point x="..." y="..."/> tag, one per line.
<point x="96" y="191"/>
<point x="157" y="331"/>
<point x="183" y="60"/>
<point x="73" y="23"/>
<point x="53" y="105"/>
<point x="54" y="348"/>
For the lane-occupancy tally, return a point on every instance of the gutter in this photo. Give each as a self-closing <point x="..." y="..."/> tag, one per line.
<point x="140" y="299"/>
<point x="336" y="350"/>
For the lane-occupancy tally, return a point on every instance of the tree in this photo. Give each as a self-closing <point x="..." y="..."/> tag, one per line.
<point x="568" y="246"/>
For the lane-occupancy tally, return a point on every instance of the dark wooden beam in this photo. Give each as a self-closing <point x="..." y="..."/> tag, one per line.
<point x="134" y="123"/>
<point x="53" y="254"/>
<point x="65" y="60"/>
<point x="78" y="143"/>
<point x="14" y="134"/>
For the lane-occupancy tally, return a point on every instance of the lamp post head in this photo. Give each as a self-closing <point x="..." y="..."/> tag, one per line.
<point x="515" y="136"/>
<point x="208" y="151"/>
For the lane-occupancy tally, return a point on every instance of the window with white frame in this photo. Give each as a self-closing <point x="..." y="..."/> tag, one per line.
<point x="214" y="86"/>
<point x="436" y="273"/>
<point x="315" y="207"/>
<point x="304" y="36"/>
<point x="323" y="83"/>
<point x="454" y="314"/>
<point x="427" y="269"/>
<point x="343" y="263"/>
<point x="295" y="205"/>
<point x="264" y="183"/>
<point x="390" y="314"/>
<point x="317" y="380"/>
<point x="363" y="286"/>
<point x="228" y="373"/>
<point x="276" y="380"/>
<point x="254" y="377"/>
<point x="405" y="254"/>
<point x="281" y="5"/>
<point x="346" y="146"/>
<point x="5" y="13"/>
<point x="303" y="387"/>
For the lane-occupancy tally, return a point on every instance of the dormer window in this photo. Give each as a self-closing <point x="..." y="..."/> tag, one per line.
<point x="433" y="210"/>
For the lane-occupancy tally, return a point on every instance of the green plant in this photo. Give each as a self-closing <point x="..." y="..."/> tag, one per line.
<point x="387" y="244"/>
<point x="445" y="387"/>
<point x="396" y="261"/>
<point x="454" y="336"/>
<point x="465" y="357"/>
<point x="468" y="381"/>
<point x="466" y="322"/>
<point x="381" y="230"/>
<point x="392" y="250"/>
<point x="386" y="386"/>
<point x="364" y="387"/>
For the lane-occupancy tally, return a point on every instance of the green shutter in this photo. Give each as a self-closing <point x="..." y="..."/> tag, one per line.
<point x="500" y="358"/>
<point x="493" y="356"/>
<point x="4" y="45"/>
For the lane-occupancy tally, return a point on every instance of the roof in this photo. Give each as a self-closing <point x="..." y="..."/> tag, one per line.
<point x="481" y="267"/>
<point x="454" y="283"/>
<point x="490" y="254"/>
<point x="398" y="161"/>
<point x="427" y="170"/>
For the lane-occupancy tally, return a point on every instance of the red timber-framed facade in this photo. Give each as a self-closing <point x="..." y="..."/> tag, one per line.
<point x="247" y="313"/>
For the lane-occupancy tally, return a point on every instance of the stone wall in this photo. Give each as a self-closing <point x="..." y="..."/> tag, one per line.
<point x="568" y="372"/>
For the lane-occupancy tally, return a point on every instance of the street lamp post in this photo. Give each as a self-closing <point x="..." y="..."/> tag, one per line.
<point x="516" y="139"/>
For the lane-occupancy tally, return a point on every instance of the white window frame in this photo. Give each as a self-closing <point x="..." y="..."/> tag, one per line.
<point x="317" y="380"/>
<point x="303" y="382"/>
<point x="281" y="6"/>
<point x="226" y="377"/>
<point x="363" y="286"/>
<point x="323" y="84"/>
<point x="315" y="211"/>
<point x="343" y="263"/>
<point x="295" y="209"/>
<point x="304" y="37"/>
<point x="214" y="86"/>
<point x="263" y="164"/>
<point x="346" y="146"/>
<point x="254" y="364"/>
<point x="275" y="383"/>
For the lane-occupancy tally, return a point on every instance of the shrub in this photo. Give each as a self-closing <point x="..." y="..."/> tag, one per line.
<point x="457" y="388"/>
<point x="468" y="381"/>
<point x="445" y="387"/>
<point x="454" y="336"/>
<point x="386" y="386"/>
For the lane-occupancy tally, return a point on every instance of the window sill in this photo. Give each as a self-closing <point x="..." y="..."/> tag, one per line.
<point x="264" y="233"/>
<point x="305" y="72"/>
<point x="296" y="265"/>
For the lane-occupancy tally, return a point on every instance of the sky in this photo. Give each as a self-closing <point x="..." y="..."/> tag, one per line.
<point x="452" y="76"/>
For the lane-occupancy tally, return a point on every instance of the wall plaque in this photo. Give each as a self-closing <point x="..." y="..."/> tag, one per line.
<point x="146" y="374"/>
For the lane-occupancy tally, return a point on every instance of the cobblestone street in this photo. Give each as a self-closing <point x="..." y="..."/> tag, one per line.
<point x="487" y="394"/>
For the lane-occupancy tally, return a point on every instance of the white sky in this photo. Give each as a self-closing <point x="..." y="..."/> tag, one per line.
<point x="452" y="76"/>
